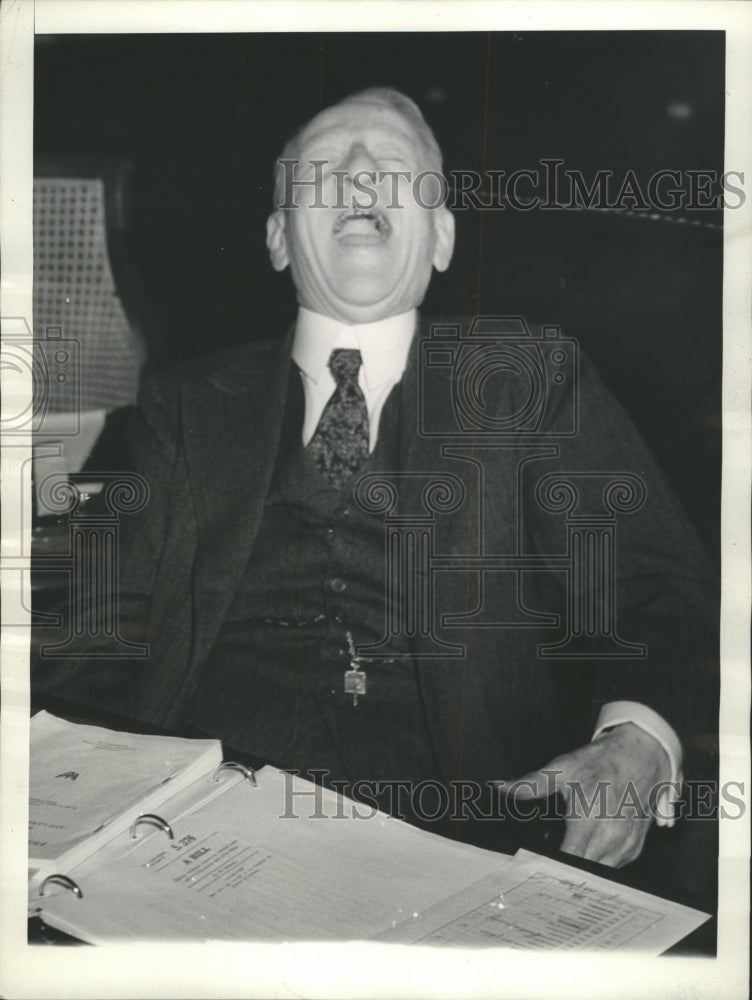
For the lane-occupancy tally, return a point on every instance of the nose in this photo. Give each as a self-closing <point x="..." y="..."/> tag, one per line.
<point x="359" y="159"/>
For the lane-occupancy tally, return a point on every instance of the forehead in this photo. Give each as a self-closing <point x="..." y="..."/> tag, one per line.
<point x="358" y="118"/>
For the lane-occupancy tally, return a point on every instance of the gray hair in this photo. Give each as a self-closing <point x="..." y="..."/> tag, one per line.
<point x="386" y="97"/>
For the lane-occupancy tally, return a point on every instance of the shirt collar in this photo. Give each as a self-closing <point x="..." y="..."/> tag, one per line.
<point x="383" y="345"/>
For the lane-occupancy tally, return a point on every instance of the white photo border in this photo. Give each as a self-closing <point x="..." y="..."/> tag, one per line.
<point x="365" y="970"/>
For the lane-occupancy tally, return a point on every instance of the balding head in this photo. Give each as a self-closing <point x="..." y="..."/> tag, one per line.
<point x="386" y="97"/>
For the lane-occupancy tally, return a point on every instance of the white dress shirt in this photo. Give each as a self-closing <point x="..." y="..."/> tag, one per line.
<point x="384" y="347"/>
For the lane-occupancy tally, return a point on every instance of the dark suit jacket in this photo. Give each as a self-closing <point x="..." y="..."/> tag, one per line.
<point x="205" y="439"/>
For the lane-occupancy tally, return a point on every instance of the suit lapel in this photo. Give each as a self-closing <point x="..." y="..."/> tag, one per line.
<point x="423" y="392"/>
<point x="231" y="431"/>
<point x="452" y="694"/>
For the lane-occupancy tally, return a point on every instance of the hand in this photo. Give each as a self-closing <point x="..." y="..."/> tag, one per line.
<point x="606" y="787"/>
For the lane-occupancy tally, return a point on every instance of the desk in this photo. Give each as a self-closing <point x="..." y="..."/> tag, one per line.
<point x="695" y="838"/>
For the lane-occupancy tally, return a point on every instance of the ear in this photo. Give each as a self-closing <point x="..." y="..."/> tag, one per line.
<point x="444" y="230"/>
<point x="276" y="240"/>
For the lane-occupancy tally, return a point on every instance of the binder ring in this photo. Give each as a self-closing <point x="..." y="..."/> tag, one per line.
<point x="151" y="819"/>
<point x="63" y="880"/>
<point x="232" y="765"/>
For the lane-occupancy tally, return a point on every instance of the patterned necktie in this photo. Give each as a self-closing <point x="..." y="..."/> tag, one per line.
<point x="340" y="443"/>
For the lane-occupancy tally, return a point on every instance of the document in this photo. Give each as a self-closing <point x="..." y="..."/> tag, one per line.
<point x="535" y="902"/>
<point x="281" y="860"/>
<point x="88" y="784"/>
<point x="285" y="860"/>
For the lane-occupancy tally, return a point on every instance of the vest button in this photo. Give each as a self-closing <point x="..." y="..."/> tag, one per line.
<point x="337" y="585"/>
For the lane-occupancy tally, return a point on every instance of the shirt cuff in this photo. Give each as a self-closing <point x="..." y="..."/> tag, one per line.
<point x="616" y="713"/>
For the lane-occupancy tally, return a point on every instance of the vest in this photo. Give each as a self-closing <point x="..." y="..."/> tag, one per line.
<point x="273" y="685"/>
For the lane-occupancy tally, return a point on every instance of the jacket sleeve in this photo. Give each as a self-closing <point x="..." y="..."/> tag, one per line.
<point x="664" y="588"/>
<point x="95" y="667"/>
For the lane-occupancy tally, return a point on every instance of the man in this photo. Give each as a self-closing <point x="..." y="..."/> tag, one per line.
<point x="258" y="571"/>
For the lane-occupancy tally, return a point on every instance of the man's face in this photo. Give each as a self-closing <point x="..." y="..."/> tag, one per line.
<point x="364" y="264"/>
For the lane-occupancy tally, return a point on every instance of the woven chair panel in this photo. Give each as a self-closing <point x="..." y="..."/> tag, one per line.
<point x="74" y="291"/>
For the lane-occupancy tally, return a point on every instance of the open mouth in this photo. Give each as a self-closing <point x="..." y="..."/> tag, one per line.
<point x="358" y="225"/>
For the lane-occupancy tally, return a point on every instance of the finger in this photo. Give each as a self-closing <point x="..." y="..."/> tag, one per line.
<point x="613" y="858"/>
<point x="604" y="853"/>
<point x="625" y="852"/>
<point x="577" y="836"/>
<point x="540" y="784"/>
<point x="614" y="844"/>
<point x="596" y="839"/>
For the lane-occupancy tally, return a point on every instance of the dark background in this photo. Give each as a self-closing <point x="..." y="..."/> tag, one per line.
<point x="202" y="118"/>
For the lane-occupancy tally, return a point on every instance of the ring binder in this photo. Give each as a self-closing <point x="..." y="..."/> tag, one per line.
<point x="232" y="765"/>
<point x="63" y="880"/>
<point x="152" y="820"/>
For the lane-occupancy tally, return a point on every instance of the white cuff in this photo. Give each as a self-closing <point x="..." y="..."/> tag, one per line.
<point x="616" y="713"/>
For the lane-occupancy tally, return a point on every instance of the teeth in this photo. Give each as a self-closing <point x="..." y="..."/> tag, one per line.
<point x="378" y="218"/>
